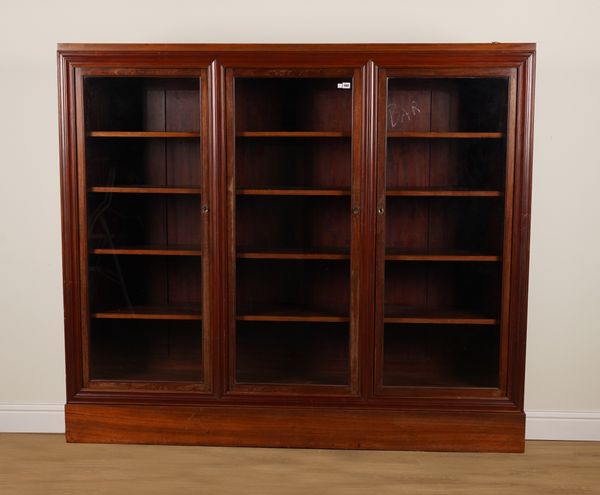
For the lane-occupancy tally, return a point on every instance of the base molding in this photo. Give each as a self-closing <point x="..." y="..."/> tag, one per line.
<point x="32" y="418"/>
<point x="251" y="426"/>
<point x="563" y="425"/>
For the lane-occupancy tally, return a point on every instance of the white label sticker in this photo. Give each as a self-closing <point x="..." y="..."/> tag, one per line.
<point x="344" y="85"/>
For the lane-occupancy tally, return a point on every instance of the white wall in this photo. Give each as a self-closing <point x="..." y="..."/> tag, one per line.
<point x="563" y="354"/>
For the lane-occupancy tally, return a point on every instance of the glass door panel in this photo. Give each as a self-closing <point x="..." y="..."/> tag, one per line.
<point x="143" y="184"/>
<point x="292" y="174"/>
<point x="444" y="187"/>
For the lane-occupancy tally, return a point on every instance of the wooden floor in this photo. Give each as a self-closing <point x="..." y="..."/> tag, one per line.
<point x="46" y="464"/>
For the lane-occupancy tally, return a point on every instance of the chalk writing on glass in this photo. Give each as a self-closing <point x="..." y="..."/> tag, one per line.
<point x="398" y="115"/>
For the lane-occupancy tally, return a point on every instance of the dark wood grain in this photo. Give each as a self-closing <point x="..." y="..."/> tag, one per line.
<point x="421" y="354"/>
<point x="82" y="223"/>
<point x="297" y="357"/>
<point x="519" y="277"/>
<point x="441" y="224"/>
<point x="69" y="227"/>
<point x="252" y="426"/>
<point x="165" y="350"/>
<point x="293" y="163"/>
<point x="508" y="235"/>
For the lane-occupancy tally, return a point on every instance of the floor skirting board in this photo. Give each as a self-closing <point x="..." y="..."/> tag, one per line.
<point x="32" y="418"/>
<point x="540" y="425"/>
<point x="562" y="425"/>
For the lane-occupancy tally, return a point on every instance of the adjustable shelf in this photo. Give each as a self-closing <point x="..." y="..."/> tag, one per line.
<point x="291" y="254"/>
<point x="292" y="314"/>
<point x="293" y="134"/>
<point x="422" y="317"/>
<point x="293" y="192"/>
<point x="146" y="189"/>
<point x="156" y="250"/>
<point x="444" y="135"/>
<point x="192" y="313"/>
<point x="294" y="317"/>
<point x="438" y="255"/>
<point x="444" y="193"/>
<point x="142" y="134"/>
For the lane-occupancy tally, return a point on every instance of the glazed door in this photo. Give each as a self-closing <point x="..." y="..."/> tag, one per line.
<point x="143" y="231"/>
<point x="445" y="178"/>
<point x="294" y="167"/>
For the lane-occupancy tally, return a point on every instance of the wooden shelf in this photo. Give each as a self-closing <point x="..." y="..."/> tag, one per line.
<point x="439" y="255"/>
<point x="293" y="134"/>
<point x="290" y="317"/>
<point x="444" y="135"/>
<point x="394" y="314"/>
<point x="155" y="250"/>
<point x="292" y="255"/>
<point x="442" y="320"/>
<point x="298" y="314"/>
<point x="151" y="313"/>
<point x="143" y="134"/>
<point x="293" y="192"/>
<point x="146" y="189"/>
<point x="447" y="193"/>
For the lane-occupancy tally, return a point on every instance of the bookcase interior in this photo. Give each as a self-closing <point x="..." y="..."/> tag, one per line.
<point x="146" y="351"/>
<point x="445" y="356"/>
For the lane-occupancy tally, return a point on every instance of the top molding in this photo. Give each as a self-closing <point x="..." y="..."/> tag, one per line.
<point x="65" y="48"/>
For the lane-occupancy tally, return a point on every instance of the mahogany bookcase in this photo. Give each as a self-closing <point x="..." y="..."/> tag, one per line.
<point x="296" y="245"/>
